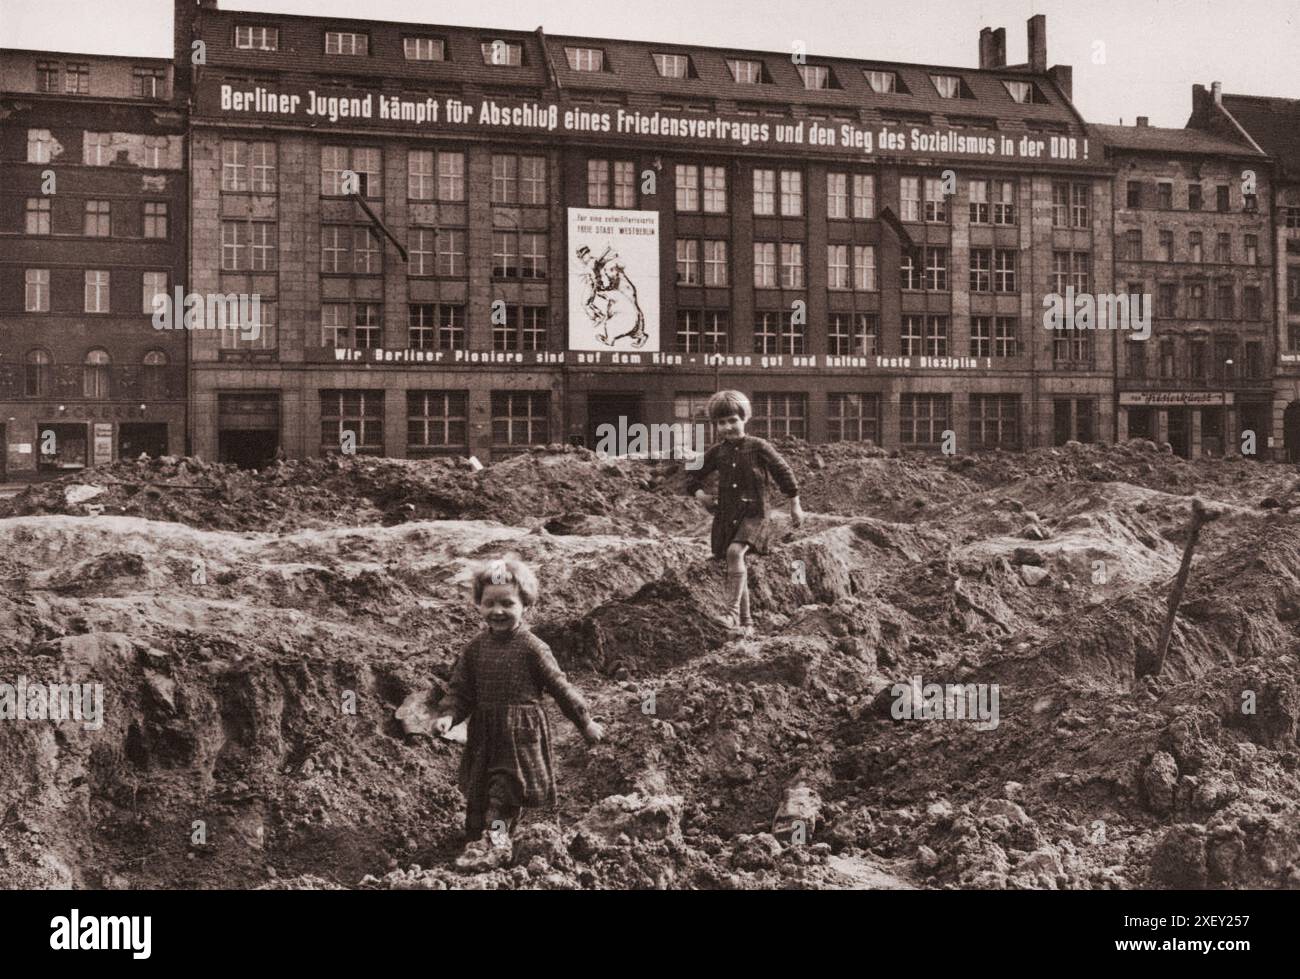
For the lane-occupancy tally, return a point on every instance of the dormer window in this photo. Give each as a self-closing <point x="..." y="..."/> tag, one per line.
<point x="250" y="38"/>
<point x="673" y="65"/>
<point x="1026" y="93"/>
<point x="745" y="72"/>
<point x="346" y="42"/>
<point x="424" y="48"/>
<point x="503" y="53"/>
<point x="585" y="59"/>
<point x="815" y="76"/>
<point x="950" y="87"/>
<point x="882" y="82"/>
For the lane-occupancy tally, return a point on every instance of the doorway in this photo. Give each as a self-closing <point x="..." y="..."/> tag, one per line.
<point x="248" y="429"/>
<point x="619" y="410"/>
<point x="1180" y="431"/>
<point x="1291" y="431"/>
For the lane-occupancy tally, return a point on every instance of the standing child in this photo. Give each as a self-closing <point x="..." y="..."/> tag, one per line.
<point x="743" y="463"/>
<point x="498" y="684"/>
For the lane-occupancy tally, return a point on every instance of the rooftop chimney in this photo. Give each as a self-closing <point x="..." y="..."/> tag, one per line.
<point x="986" y="47"/>
<point x="1038" y="43"/>
<point x="1000" y="48"/>
<point x="1217" y="88"/>
<point x="1143" y="121"/>
<point x="1063" y="75"/>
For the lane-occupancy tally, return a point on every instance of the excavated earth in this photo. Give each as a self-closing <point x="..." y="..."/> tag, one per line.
<point x="268" y="644"/>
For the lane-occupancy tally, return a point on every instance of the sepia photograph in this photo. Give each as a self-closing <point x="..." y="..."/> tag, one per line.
<point x="745" y="446"/>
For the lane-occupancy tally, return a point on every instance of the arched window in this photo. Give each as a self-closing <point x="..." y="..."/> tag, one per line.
<point x="95" y="377"/>
<point x="155" y="375"/>
<point x="38" y="371"/>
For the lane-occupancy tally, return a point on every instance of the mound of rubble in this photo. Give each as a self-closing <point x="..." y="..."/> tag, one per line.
<point x="269" y="645"/>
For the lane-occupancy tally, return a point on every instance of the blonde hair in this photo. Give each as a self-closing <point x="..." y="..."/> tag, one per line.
<point x="724" y="403"/>
<point x="506" y="571"/>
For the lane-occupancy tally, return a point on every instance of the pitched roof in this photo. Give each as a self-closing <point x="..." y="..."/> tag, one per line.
<point x="1273" y="123"/>
<point x="1156" y="139"/>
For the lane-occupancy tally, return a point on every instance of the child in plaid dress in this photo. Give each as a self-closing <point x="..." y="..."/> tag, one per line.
<point x="498" y="684"/>
<point x="743" y="464"/>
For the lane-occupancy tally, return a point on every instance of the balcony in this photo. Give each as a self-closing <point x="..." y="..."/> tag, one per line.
<point x="82" y="382"/>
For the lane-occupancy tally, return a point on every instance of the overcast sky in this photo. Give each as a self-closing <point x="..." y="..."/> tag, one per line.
<point x="1150" y="54"/>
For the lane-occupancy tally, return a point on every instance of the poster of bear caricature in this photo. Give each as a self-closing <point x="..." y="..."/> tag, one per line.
<point x="614" y="279"/>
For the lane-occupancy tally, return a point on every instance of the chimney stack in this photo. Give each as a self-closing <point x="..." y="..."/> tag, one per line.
<point x="1143" y="121"/>
<point x="1038" y="44"/>
<point x="1217" y="88"/>
<point x="993" y="47"/>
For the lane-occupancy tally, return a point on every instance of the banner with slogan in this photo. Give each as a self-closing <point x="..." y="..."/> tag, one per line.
<point x="453" y="116"/>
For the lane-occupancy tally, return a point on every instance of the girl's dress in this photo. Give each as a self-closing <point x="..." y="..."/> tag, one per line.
<point x="498" y="684"/>
<point x="743" y="467"/>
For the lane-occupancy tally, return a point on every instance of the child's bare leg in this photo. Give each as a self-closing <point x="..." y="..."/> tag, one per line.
<point x="736" y="580"/>
<point x="745" y="618"/>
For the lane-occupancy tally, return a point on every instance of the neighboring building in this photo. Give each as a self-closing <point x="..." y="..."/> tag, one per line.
<point x="1189" y="239"/>
<point x="749" y="200"/>
<point x="1272" y="125"/>
<point x="92" y="224"/>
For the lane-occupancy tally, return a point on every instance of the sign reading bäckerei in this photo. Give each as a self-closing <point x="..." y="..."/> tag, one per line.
<point x="450" y="116"/>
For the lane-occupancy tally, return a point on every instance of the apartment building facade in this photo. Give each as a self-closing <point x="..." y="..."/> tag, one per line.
<point x="1272" y="125"/>
<point x="92" y="227"/>
<point x="1192" y="237"/>
<point x="469" y="241"/>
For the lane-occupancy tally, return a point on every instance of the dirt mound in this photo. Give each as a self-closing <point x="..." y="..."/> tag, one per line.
<point x="255" y="634"/>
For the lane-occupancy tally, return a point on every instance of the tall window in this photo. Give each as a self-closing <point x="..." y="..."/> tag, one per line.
<point x="764" y="265"/>
<point x="764" y="192"/>
<point x="433" y="326"/>
<point x="1004" y="270"/>
<point x="993" y="202"/>
<point x="47" y="76"/>
<point x="837" y="266"/>
<point x="97" y="220"/>
<point x="703" y="331"/>
<point x="791" y="265"/>
<point x="435" y="175"/>
<point x="154" y="379"/>
<point x="518" y="179"/>
<point x="152" y="285"/>
<point x="1195" y="247"/>
<point x="250" y="246"/>
<point x="611" y="183"/>
<point x="155" y="219"/>
<point x="37" y="373"/>
<point x="936" y="269"/>
<point x="38" y="215"/>
<point x="519" y="254"/>
<point x="40" y="146"/>
<point x="778" y="333"/>
<point x="837" y="195"/>
<point x="791" y="193"/>
<point x="853" y="333"/>
<point x="97" y="286"/>
<point x="715" y="189"/>
<point x="864" y="196"/>
<point x="909" y="198"/>
<point x="37" y="290"/>
<point x="76" y="79"/>
<point x="1071" y="269"/>
<point x="864" y="268"/>
<point x="936" y="203"/>
<point x="95" y="374"/>
<point x="1070" y="204"/>
<point x="364" y="161"/>
<point x="248" y="166"/>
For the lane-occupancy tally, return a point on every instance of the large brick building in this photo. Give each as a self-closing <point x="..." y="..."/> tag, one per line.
<point x="1273" y="126"/>
<point x="1189" y="236"/>
<point x="92" y="226"/>
<point x="862" y="247"/>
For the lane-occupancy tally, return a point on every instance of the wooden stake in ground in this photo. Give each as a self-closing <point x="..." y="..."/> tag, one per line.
<point x="1152" y="663"/>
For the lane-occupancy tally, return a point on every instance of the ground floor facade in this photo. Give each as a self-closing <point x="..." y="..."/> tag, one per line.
<point x="1199" y="423"/>
<point x="249" y="415"/>
<point x="47" y="439"/>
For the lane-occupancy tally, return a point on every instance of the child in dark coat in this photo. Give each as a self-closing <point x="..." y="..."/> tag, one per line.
<point x="743" y="464"/>
<point x="498" y="684"/>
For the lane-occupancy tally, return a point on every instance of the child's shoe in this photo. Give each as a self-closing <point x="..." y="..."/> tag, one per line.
<point x="731" y="622"/>
<point x="492" y="850"/>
